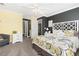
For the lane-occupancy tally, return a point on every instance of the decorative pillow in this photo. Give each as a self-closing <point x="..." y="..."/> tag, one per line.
<point x="58" y="51"/>
<point x="48" y="45"/>
<point x="58" y="33"/>
<point x="44" y="44"/>
<point x="69" y="52"/>
<point x="52" y="50"/>
<point x="41" y="43"/>
<point x="75" y="41"/>
<point x="48" y="34"/>
<point x="37" y="41"/>
<point x="69" y="33"/>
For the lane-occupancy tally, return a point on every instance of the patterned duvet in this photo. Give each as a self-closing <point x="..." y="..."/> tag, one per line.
<point x="57" y="46"/>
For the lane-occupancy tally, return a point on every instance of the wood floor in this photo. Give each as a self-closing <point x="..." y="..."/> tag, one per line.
<point x="18" y="49"/>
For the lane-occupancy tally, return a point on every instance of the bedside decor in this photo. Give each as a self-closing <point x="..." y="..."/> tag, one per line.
<point x="14" y="32"/>
<point x="16" y="37"/>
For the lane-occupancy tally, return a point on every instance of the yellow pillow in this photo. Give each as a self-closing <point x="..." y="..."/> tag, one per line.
<point x="55" y="50"/>
<point x="58" y="51"/>
<point x="48" y="45"/>
<point x="69" y="52"/>
<point x="69" y="33"/>
<point x="52" y="50"/>
<point x="41" y="43"/>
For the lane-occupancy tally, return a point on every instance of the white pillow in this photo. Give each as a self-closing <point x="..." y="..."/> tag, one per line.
<point x="75" y="41"/>
<point x="58" y="33"/>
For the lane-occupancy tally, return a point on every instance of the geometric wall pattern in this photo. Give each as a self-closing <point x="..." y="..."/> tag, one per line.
<point x="69" y="25"/>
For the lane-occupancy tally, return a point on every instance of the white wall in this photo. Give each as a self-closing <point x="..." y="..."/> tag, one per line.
<point x="34" y="27"/>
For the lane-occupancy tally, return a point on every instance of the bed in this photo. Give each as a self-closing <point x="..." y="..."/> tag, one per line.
<point x="62" y="42"/>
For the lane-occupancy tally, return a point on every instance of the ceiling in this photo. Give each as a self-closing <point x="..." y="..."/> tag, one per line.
<point x="38" y="9"/>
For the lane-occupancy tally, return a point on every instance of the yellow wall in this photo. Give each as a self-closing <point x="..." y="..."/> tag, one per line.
<point x="10" y="21"/>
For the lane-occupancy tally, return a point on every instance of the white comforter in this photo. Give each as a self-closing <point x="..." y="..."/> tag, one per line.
<point x="65" y="43"/>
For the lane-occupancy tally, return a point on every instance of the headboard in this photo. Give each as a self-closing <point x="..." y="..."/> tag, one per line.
<point x="67" y="25"/>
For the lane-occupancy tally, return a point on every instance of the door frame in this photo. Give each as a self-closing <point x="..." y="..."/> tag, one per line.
<point x="29" y="27"/>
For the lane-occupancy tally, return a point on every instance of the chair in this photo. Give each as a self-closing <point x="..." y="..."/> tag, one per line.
<point x="5" y="40"/>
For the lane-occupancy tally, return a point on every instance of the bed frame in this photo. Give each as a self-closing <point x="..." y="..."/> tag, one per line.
<point x="67" y="25"/>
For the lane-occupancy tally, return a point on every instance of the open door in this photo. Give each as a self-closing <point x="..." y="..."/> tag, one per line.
<point x="26" y="27"/>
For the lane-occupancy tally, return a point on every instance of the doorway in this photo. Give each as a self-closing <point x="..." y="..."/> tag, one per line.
<point x="26" y="27"/>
